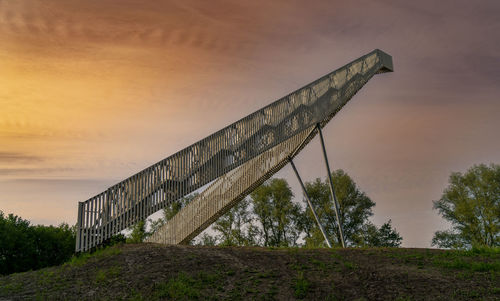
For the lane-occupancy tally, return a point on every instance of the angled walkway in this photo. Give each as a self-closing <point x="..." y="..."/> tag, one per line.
<point x="237" y="159"/>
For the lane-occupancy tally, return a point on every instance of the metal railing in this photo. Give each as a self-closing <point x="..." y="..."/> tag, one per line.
<point x="239" y="158"/>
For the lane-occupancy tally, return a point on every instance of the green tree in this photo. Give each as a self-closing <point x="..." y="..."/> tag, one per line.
<point x="355" y="207"/>
<point x="276" y="213"/>
<point x="176" y="206"/>
<point x="25" y="247"/>
<point x="471" y="203"/>
<point x="138" y="233"/>
<point x="54" y="245"/>
<point x="385" y="236"/>
<point x="16" y="244"/>
<point x="114" y="240"/>
<point x="206" y="239"/>
<point x="235" y="228"/>
<point x="169" y="212"/>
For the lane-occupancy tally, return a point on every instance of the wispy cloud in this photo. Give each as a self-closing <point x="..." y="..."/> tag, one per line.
<point x="9" y="157"/>
<point x="28" y="172"/>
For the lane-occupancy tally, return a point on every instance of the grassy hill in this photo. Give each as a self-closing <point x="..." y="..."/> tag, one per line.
<point x="157" y="272"/>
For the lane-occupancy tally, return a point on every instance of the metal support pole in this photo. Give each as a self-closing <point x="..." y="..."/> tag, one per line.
<point x="310" y="204"/>
<point x="332" y="191"/>
<point x="79" y="228"/>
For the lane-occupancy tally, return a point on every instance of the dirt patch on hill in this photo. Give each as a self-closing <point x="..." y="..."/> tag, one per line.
<point x="157" y="272"/>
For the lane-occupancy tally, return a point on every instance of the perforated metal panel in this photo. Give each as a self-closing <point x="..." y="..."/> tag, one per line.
<point x="239" y="157"/>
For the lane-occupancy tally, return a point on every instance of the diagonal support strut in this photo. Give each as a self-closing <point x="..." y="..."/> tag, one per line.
<point x="332" y="190"/>
<point x="310" y="204"/>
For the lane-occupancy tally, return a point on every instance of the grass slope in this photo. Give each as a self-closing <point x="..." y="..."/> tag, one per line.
<point x="157" y="272"/>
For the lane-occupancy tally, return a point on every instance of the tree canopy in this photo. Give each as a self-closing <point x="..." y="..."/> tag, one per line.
<point x="271" y="217"/>
<point x="355" y="207"/>
<point x="471" y="203"/>
<point x="276" y="214"/>
<point x="26" y="247"/>
<point x="373" y="236"/>
<point x="235" y="228"/>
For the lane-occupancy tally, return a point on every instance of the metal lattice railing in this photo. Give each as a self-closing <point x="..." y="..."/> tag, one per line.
<point x="239" y="158"/>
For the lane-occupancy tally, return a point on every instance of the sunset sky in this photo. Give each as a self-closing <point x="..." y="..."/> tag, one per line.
<point x="94" y="91"/>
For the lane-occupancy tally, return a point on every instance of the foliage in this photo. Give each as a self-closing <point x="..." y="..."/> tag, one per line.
<point x="207" y="240"/>
<point x="82" y="258"/>
<point x="235" y="226"/>
<point x="107" y="275"/>
<point x="114" y="240"/>
<point x="139" y="230"/>
<point x="449" y="239"/>
<point x="276" y="214"/>
<point x="176" y="206"/>
<point x="26" y="247"/>
<point x="169" y="212"/>
<point x="155" y="225"/>
<point x="187" y="287"/>
<point x="273" y="219"/>
<point x="181" y="287"/>
<point x="475" y="259"/>
<point x="471" y="203"/>
<point x="385" y="236"/>
<point x="355" y="207"/>
<point x="54" y="245"/>
<point x="270" y="217"/>
<point x="301" y="286"/>
<point x="138" y="233"/>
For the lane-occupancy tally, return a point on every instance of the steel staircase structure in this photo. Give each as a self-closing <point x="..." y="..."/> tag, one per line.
<point x="234" y="161"/>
